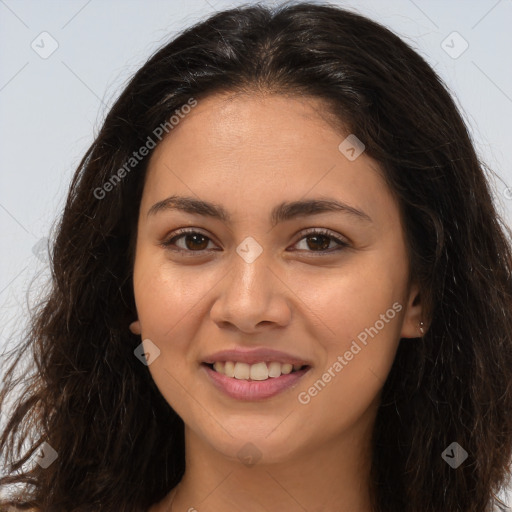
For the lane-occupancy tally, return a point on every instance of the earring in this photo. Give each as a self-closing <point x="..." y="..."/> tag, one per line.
<point x="422" y="330"/>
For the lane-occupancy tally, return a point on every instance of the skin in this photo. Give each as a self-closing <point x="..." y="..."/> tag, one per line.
<point x="248" y="153"/>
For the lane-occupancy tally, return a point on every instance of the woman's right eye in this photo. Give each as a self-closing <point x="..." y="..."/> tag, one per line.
<point x="193" y="241"/>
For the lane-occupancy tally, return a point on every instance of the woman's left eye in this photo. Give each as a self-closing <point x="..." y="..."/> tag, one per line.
<point x="318" y="240"/>
<point x="322" y="240"/>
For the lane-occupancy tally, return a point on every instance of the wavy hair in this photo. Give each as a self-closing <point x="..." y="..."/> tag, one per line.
<point x="120" y="445"/>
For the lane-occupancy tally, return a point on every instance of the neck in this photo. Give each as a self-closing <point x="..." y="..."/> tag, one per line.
<point x="329" y="475"/>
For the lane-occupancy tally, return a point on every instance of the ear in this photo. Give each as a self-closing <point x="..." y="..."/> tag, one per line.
<point x="413" y="315"/>
<point x="135" y="327"/>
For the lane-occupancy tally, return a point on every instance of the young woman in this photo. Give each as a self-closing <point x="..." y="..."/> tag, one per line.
<point x="279" y="283"/>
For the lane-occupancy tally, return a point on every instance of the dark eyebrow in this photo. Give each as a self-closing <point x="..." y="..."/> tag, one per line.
<point x="282" y="212"/>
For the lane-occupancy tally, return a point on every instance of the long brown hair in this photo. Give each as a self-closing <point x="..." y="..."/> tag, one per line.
<point x="120" y="445"/>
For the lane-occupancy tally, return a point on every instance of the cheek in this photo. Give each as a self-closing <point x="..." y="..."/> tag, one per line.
<point x="336" y="305"/>
<point x="357" y="317"/>
<point x="171" y="304"/>
<point x="348" y="300"/>
<point x="354" y="368"/>
<point x="165" y="294"/>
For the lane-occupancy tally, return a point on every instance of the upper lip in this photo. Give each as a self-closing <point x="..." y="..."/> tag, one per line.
<point x="254" y="356"/>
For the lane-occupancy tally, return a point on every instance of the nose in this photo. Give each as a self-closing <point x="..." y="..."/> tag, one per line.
<point x="252" y="297"/>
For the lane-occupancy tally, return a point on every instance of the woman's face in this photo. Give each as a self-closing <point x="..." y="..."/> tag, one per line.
<point x="261" y="280"/>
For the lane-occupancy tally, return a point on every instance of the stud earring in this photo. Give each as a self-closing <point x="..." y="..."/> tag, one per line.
<point x="422" y="330"/>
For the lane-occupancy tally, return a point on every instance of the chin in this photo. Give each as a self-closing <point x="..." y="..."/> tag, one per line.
<point x="255" y="446"/>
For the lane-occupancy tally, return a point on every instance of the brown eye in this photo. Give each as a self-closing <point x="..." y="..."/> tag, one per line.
<point x="316" y="241"/>
<point x="320" y="240"/>
<point x="193" y="241"/>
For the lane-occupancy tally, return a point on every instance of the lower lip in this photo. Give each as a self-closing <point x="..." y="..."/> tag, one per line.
<point x="254" y="389"/>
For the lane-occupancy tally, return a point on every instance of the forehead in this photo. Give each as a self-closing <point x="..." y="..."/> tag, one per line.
<point x="243" y="149"/>
<point x="258" y="117"/>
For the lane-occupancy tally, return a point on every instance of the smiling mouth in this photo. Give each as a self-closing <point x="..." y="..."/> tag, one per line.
<point x="254" y="372"/>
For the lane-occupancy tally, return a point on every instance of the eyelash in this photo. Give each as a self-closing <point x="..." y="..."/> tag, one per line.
<point x="167" y="244"/>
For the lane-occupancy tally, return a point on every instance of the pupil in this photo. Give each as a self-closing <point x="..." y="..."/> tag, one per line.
<point x="196" y="236"/>
<point x="325" y="245"/>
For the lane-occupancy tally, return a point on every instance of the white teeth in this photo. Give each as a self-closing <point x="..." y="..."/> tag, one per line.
<point x="286" y="368"/>
<point x="258" y="371"/>
<point x="218" y="366"/>
<point x="274" y="369"/>
<point x="242" y="371"/>
<point x="229" y="369"/>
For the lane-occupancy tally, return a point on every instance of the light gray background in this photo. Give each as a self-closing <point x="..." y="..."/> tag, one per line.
<point x="51" y="108"/>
